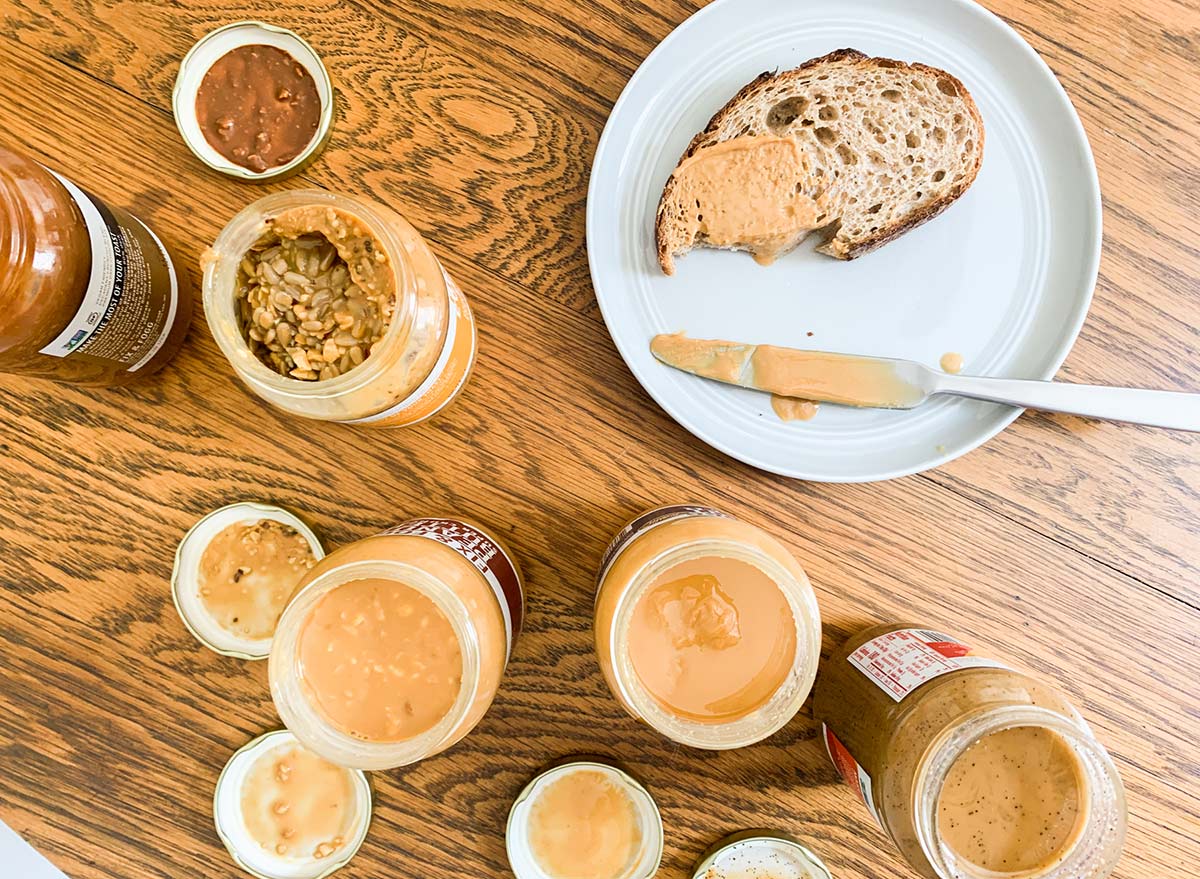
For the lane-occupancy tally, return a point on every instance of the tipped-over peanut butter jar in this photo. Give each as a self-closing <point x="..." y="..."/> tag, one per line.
<point x="975" y="770"/>
<point x="88" y="294"/>
<point x="332" y="308"/>
<point x="393" y="648"/>
<point x="706" y="628"/>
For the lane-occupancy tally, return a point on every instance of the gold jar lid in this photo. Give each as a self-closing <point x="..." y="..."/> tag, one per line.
<point x="249" y="853"/>
<point x="644" y="863"/>
<point x="185" y="577"/>
<point x="759" y="853"/>
<point x="215" y="45"/>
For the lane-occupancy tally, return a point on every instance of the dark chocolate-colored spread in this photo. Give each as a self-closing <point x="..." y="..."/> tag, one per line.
<point x="258" y="107"/>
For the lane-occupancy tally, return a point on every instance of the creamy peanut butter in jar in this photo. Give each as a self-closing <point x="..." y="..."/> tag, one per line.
<point x="976" y="770"/>
<point x="336" y="309"/>
<point x="706" y="627"/>
<point x="394" y="647"/>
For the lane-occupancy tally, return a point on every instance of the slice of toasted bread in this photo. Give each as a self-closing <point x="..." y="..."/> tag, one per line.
<point x="890" y="145"/>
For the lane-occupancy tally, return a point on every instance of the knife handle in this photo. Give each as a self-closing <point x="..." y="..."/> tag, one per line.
<point x="1170" y="409"/>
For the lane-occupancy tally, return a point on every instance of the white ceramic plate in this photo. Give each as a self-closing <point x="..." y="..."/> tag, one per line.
<point x="1004" y="277"/>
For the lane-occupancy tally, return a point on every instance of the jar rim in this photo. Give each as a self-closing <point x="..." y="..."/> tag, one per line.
<point x="763" y="721"/>
<point x="1093" y="856"/>
<point x="310" y="724"/>
<point x="221" y="263"/>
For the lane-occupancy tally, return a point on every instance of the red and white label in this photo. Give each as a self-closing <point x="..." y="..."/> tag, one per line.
<point x="901" y="661"/>
<point x="851" y="771"/>
<point x="644" y="523"/>
<point x="488" y="557"/>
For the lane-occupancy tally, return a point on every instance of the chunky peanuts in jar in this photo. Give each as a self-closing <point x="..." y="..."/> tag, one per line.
<point x="706" y="627"/>
<point x="975" y="770"/>
<point x="335" y="309"/>
<point x="394" y="646"/>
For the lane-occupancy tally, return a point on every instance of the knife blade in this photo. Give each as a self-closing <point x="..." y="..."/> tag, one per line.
<point x="848" y="379"/>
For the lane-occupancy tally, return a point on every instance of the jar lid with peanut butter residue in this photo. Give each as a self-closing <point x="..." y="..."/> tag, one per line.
<point x="584" y="819"/>
<point x="759" y="854"/>
<point x="284" y="812"/>
<point x="235" y="571"/>
<point x="254" y="101"/>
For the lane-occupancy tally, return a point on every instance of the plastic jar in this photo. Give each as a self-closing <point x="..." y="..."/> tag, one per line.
<point x="732" y="599"/>
<point x="456" y="567"/>
<point x="88" y="294"/>
<point x="425" y="355"/>
<point x="939" y="743"/>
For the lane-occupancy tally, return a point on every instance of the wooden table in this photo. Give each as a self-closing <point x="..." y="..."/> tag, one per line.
<point x="1068" y="545"/>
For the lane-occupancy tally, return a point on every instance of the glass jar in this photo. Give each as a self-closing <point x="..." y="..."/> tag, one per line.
<point x="456" y="567"/>
<point x="88" y="294"/>
<point x="939" y="743"/>
<point x="425" y="355"/>
<point x="691" y="588"/>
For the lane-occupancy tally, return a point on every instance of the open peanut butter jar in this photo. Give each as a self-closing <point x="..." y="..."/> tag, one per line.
<point x="706" y="627"/>
<point x="976" y="770"/>
<point x="394" y="647"/>
<point x="332" y="308"/>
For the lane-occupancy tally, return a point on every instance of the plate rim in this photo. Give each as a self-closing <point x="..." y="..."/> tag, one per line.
<point x="1094" y="208"/>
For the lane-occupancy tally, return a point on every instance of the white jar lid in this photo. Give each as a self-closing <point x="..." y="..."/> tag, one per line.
<point x="516" y="836"/>
<point x="185" y="586"/>
<point x="246" y="851"/>
<point x="759" y="853"/>
<point x="215" y="45"/>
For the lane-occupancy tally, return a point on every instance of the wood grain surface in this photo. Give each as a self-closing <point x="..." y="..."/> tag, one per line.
<point x="1070" y="546"/>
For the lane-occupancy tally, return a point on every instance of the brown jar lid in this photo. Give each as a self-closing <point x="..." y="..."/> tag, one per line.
<point x="214" y="46"/>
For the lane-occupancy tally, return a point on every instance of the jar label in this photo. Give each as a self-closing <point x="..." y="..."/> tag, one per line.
<point x="851" y="771"/>
<point x="488" y="557"/>
<point x="899" y="662"/>
<point x="644" y="523"/>
<point x="132" y="294"/>
<point x="447" y="377"/>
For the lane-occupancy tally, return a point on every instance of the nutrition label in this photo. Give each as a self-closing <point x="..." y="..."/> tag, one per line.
<point x="901" y="661"/>
<point x="129" y="306"/>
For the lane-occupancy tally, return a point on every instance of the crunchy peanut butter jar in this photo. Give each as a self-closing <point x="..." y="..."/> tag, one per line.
<point x="394" y="646"/>
<point x="88" y="294"/>
<point x="333" y="308"/>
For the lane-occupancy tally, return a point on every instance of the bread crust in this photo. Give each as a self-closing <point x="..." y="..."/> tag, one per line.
<point x="877" y="239"/>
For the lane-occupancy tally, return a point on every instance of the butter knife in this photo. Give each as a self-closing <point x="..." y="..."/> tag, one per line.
<point x="885" y="383"/>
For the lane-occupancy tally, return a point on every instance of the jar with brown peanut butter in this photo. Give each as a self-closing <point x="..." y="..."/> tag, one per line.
<point x="88" y="294"/>
<point x="976" y="770"/>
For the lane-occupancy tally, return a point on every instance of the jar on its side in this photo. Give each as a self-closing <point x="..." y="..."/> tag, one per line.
<point x="901" y="704"/>
<point x="88" y="294"/>
<point x="426" y="353"/>
<point x="467" y="574"/>
<point x="643" y="558"/>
